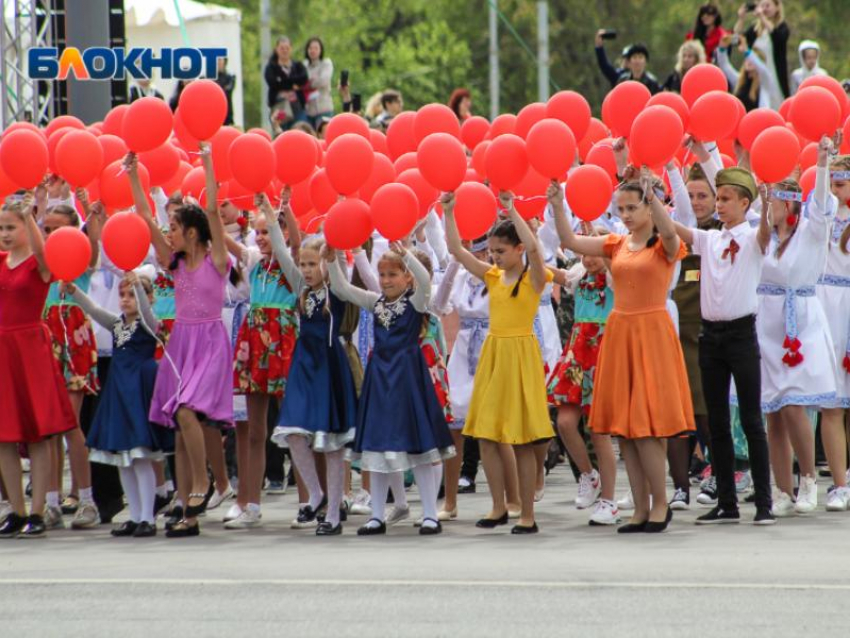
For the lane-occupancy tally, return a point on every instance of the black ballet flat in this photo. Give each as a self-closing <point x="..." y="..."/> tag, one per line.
<point x="12" y="525"/>
<point x="523" y="529"/>
<point x="183" y="530"/>
<point x="326" y="529"/>
<point x="175" y="517"/>
<point x="367" y="530"/>
<point x="490" y="523"/>
<point x="430" y="530"/>
<point x="632" y="528"/>
<point x="657" y="528"/>
<point x="144" y="530"/>
<point x="193" y="511"/>
<point x="127" y="528"/>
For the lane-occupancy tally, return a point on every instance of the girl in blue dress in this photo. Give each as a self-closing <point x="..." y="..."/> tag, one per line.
<point x="397" y="385"/>
<point x="121" y="433"/>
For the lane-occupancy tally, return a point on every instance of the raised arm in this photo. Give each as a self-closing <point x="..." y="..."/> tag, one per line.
<point x="440" y="301"/>
<point x="685" y="233"/>
<point x="665" y="225"/>
<point x="722" y="56"/>
<point x="95" y="217"/>
<point x="36" y="239"/>
<point x="763" y="235"/>
<point x="475" y="266"/>
<point x="292" y="227"/>
<point x="436" y="237"/>
<point x="219" y="249"/>
<point x="533" y="251"/>
<point x="766" y="77"/>
<point x="683" y="212"/>
<point x="591" y="246"/>
<point x="100" y="315"/>
<point x="364" y="268"/>
<point x="160" y="243"/>
<point x="422" y="295"/>
<point x="343" y="288"/>
<point x="279" y="248"/>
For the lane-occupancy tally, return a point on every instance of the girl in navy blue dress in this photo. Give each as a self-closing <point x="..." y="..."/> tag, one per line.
<point x="320" y="403"/>
<point x="400" y="423"/>
<point x="121" y="433"/>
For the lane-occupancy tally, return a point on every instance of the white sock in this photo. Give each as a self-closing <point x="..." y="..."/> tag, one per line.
<point x="427" y="493"/>
<point x="396" y="481"/>
<point x="302" y="456"/>
<point x="335" y="462"/>
<point x="438" y="475"/>
<point x="146" y="480"/>
<point x="53" y="499"/>
<point x="86" y="495"/>
<point x="161" y="491"/>
<point x="131" y="490"/>
<point x="169" y="485"/>
<point x="380" y="483"/>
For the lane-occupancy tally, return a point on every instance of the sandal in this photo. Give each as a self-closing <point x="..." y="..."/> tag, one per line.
<point x="183" y="530"/>
<point x="193" y="511"/>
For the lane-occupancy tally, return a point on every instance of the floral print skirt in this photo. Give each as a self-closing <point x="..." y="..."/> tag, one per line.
<point x="263" y="351"/>
<point x="571" y="382"/>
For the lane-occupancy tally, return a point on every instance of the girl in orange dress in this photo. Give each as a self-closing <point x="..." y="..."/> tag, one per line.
<point x="641" y="392"/>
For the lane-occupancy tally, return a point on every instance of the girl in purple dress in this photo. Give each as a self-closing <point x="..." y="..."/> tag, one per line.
<point x="194" y="385"/>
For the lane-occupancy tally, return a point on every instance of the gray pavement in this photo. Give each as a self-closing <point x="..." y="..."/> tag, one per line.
<point x="570" y="579"/>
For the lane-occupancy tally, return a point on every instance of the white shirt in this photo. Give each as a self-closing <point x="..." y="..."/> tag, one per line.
<point x="727" y="290"/>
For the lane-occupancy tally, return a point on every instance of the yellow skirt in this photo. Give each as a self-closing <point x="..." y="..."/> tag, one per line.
<point x="509" y="402"/>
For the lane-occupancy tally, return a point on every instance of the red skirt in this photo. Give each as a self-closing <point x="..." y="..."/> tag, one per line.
<point x="263" y="353"/>
<point x="74" y="347"/>
<point x="33" y="395"/>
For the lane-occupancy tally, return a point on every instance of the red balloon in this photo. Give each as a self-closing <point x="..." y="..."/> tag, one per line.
<point x="473" y="131"/>
<point x="67" y="252"/>
<point x="382" y="173"/>
<point x="622" y="105"/>
<point x="408" y="160"/>
<point x="322" y="194"/>
<point x="15" y="126"/>
<point x="702" y="79"/>
<point x="442" y="161"/>
<point x="79" y="157"/>
<point x="475" y="210"/>
<point x="52" y="143"/>
<point x="349" y="162"/>
<point x="63" y="121"/>
<point x="162" y="162"/>
<point x="595" y="132"/>
<point x="815" y="112"/>
<point x="240" y="196"/>
<point x="24" y="158"/>
<point x="194" y="183"/>
<point x="551" y="148"/>
<point x="602" y="155"/>
<point x="174" y="184"/>
<point x="785" y="108"/>
<point x="755" y="122"/>
<point x="833" y="86"/>
<point x="425" y="193"/>
<point x="252" y="162"/>
<point x="126" y="240"/>
<point x="774" y="154"/>
<point x="572" y="109"/>
<point x="531" y="194"/>
<point x="714" y="116"/>
<point x="809" y="156"/>
<point x="502" y="125"/>
<point x="344" y="123"/>
<point x="845" y="142"/>
<point x="728" y="162"/>
<point x="113" y="121"/>
<point x="297" y="154"/>
<point x="203" y="108"/>
<point x="673" y="101"/>
<point x="186" y="139"/>
<point x="479" y="156"/>
<point x="147" y="124"/>
<point x="395" y="210"/>
<point x="435" y="118"/>
<point x="301" y="202"/>
<point x="113" y="147"/>
<point x="528" y="116"/>
<point x="220" y="143"/>
<point x="7" y="186"/>
<point x="348" y="225"/>
<point x="807" y="180"/>
<point x="589" y="192"/>
<point x="260" y="131"/>
<point x="400" y="138"/>
<point x="656" y="136"/>
<point x="115" y="191"/>
<point x="379" y="142"/>
<point x="506" y="161"/>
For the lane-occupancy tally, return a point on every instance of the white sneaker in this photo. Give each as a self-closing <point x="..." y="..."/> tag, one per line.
<point x="233" y="513"/>
<point x="53" y="518"/>
<point x="837" y="500"/>
<point x="589" y="487"/>
<point x="807" y="495"/>
<point x="86" y="517"/>
<point x="362" y="504"/>
<point x="220" y="497"/>
<point x="397" y="514"/>
<point x="246" y="520"/>
<point x="783" y="506"/>
<point x="627" y="503"/>
<point x="605" y="513"/>
<point x="708" y="493"/>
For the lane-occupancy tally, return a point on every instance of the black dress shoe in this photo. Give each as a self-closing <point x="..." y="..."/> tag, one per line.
<point x="657" y="528"/>
<point x="631" y="528"/>
<point x="430" y="530"/>
<point x="490" y="523"/>
<point x="343" y="515"/>
<point x="523" y="529"/>
<point x="12" y="525"/>
<point x="183" y="530"/>
<point x="193" y="511"/>
<point x="159" y="504"/>
<point x="125" y="529"/>
<point x="175" y="517"/>
<point x="369" y="530"/>
<point x="326" y="529"/>
<point x="34" y="528"/>
<point x="108" y="509"/>
<point x="144" y="530"/>
<point x="307" y="515"/>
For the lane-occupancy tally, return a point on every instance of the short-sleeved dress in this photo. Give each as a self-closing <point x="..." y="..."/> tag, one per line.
<point x="509" y="402"/>
<point x="641" y="387"/>
<point x="33" y="397"/>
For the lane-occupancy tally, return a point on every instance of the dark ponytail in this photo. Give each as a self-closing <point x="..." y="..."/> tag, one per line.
<point x="506" y="231"/>
<point x="191" y="216"/>
<point x="635" y="187"/>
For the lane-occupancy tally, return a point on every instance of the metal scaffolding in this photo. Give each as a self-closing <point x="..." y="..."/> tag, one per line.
<point x="26" y="24"/>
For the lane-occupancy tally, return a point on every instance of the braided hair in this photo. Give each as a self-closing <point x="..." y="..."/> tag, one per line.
<point x="506" y="231"/>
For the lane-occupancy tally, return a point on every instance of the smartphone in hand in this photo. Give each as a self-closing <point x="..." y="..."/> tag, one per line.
<point x="343" y="78"/>
<point x="610" y="34"/>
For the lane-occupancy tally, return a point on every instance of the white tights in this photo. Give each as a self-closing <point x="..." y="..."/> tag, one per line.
<point x="139" y="484"/>
<point x="303" y="458"/>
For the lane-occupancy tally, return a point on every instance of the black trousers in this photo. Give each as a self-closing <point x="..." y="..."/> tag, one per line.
<point x="471" y="458"/>
<point x="727" y="350"/>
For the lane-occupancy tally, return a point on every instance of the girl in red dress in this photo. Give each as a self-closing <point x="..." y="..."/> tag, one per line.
<point x="35" y="403"/>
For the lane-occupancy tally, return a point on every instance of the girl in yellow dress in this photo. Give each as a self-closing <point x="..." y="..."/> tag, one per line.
<point x="509" y="402"/>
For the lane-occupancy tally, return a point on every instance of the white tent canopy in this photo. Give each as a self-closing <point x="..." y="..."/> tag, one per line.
<point x="156" y="24"/>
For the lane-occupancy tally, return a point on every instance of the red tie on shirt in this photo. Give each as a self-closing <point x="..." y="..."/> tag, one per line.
<point x="731" y="251"/>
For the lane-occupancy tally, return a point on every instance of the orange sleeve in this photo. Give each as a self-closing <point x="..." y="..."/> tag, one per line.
<point x="680" y="255"/>
<point x="612" y="244"/>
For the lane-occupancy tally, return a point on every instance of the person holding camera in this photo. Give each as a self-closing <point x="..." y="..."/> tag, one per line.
<point x="768" y="34"/>
<point x="285" y="78"/>
<point x="635" y="55"/>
